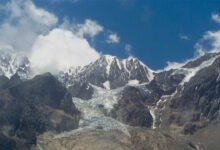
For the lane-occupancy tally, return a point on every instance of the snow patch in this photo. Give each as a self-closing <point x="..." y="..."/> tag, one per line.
<point x="152" y="112"/>
<point x="119" y="64"/>
<point x="191" y="72"/>
<point x="150" y="74"/>
<point x="109" y="60"/>
<point x="133" y="82"/>
<point x="106" y="85"/>
<point x="124" y="62"/>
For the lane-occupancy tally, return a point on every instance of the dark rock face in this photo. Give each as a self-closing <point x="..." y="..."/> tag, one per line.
<point x="43" y="89"/>
<point x="3" y="81"/>
<point x="7" y="143"/>
<point x="200" y="60"/>
<point x="81" y="90"/>
<point x="33" y="107"/>
<point x="198" y="102"/>
<point x="14" y="80"/>
<point x="131" y="109"/>
<point x="30" y="108"/>
<point x="164" y="83"/>
<point x="202" y="92"/>
<point x="167" y="81"/>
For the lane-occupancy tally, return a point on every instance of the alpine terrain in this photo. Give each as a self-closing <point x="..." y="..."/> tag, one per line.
<point x="111" y="104"/>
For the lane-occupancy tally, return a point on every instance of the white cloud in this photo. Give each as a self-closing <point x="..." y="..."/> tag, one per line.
<point x="89" y="28"/>
<point x="50" y="46"/>
<point x="184" y="37"/>
<point x="174" y="65"/>
<point x="216" y="18"/>
<point x="14" y="8"/>
<point x="113" y="38"/>
<point x="23" y="23"/>
<point x="210" y="41"/>
<point x="214" y="38"/>
<point x="39" y="15"/>
<point x="20" y="9"/>
<point x="61" y="49"/>
<point x="128" y="48"/>
<point x="58" y="1"/>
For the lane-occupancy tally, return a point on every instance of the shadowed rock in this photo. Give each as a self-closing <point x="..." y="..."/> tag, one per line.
<point x="131" y="109"/>
<point x="32" y="107"/>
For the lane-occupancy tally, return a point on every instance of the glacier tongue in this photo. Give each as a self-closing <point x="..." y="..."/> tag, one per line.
<point x="94" y="111"/>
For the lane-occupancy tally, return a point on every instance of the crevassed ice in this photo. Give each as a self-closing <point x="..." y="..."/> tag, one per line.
<point x="93" y="111"/>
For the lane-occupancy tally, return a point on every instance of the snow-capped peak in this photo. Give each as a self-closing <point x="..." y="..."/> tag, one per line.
<point x="109" y="59"/>
<point x="150" y="73"/>
<point x="12" y="62"/>
<point x="114" y="71"/>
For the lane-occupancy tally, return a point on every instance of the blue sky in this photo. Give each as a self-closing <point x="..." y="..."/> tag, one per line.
<point x="154" y="31"/>
<point x="153" y="28"/>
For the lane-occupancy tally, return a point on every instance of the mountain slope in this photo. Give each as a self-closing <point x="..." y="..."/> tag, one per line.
<point x="29" y="108"/>
<point x="109" y="72"/>
<point x="182" y="101"/>
<point x="12" y="62"/>
<point x="120" y="98"/>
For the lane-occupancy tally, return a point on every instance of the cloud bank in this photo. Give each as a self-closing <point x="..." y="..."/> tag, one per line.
<point x="89" y="28"/>
<point x="210" y="42"/>
<point x="23" y="23"/>
<point x="49" y="46"/>
<point x="113" y="38"/>
<point x="59" y="50"/>
<point x="184" y="37"/>
<point x="39" y="15"/>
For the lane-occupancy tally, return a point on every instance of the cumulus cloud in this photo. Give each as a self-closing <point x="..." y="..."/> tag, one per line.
<point x="22" y="25"/>
<point x="184" y="37"/>
<point x="174" y="65"/>
<point x="61" y="49"/>
<point x="216" y="18"/>
<point x="89" y="28"/>
<point x="50" y="46"/>
<point x="39" y="15"/>
<point x="113" y="38"/>
<point x="128" y="48"/>
<point x="210" y="41"/>
<point x="58" y="1"/>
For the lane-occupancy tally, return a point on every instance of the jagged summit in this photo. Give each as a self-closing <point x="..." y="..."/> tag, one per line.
<point x="110" y="72"/>
<point x="184" y="99"/>
<point x="12" y="62"/>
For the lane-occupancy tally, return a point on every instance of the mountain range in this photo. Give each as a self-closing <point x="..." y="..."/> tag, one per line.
<point x="111" y="103"/>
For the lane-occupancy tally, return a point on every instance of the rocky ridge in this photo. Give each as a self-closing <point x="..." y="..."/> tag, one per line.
<point x="124" y="99"/>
